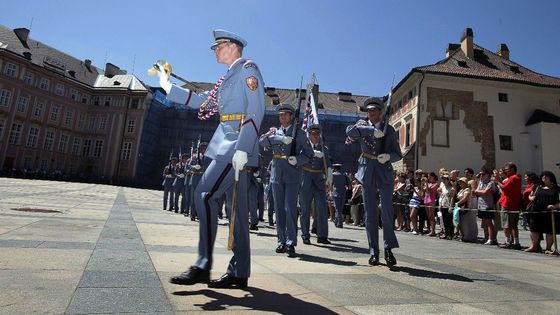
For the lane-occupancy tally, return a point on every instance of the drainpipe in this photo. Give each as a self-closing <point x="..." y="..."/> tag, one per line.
<point x="417" y="146"/>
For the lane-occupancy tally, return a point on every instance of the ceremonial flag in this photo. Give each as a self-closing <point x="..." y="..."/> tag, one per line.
<point x="311" y="117"/>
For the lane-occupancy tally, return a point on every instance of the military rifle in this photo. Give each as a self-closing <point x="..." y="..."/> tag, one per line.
<point x="295" y="121"/>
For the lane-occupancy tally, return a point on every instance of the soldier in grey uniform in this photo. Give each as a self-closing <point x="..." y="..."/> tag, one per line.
<point x="375" y="173"/>
<point x="179" y="183"/>
<point x="253" y="201"/>
<point x="340" y="186"/>
<point x="285" y="176"/>
<point x="196" y="169"/>
<point x="168" y="179"/>
<point x="313" y="187"/>
<point x="238" y="98"/>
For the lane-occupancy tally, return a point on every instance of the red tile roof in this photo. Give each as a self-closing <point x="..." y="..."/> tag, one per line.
<point x="487" y="65"/>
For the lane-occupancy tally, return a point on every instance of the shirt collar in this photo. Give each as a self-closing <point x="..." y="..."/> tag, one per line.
<point x="233" y="64"/>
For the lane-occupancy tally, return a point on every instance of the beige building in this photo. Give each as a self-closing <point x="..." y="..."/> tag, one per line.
<point x="61" y="114"/>
<point x="477" y="108"/>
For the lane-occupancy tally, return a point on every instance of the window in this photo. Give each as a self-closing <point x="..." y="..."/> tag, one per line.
<point x="62" y="143"/>
<point x="54" y="113"/>
<point x="86" y="148"/>
<point x="11" y="70"/>
<point x="102" y="122"/>
<point x="44" y="164"/>
<point x="91" y="123"/>
<point x="81" y="121"/>
<point x="27" y="162"/>
<point x="28" y="78"/>
<point x="407" y="135"/>
<point x="74" y="95"/>
<point x="32" y="137"/>
<point x="134" y="104"/>
<point x="2" y="124"/>
<point x="125" y="153"/>
<point x="49" y="140"/>
<point x="22" y="104"/>
<point x="97" y="148"/>
<point x="44" y="84"/>
<point x="502" y="97"/>
<point x="506" y="143"/>
<point x="108" y="100"/>
<point x="95" y="100"/>
<point x="85" y="98"/>
<point x="15" y="133"/>
<point x="76" y="146"/>
<point x="5" y="97"/>
<point x="38" y="110"/>
<point x="59" y="89"/>
<point x="68" y="117"/>
<point x="130" y="127"/>
<point x="440" y="133"/>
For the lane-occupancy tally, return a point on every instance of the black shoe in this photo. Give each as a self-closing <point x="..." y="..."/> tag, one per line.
<point x="192" y="276"/>
<point x="389" y="258"/>
<point x="323" y="240"/>
<point x="253" y="227"/>
<point x="306" y="241"/>
<point x="220" y="217"/>
<point x="291" y="250"/>
<point x="228" y="281"/>
<point x="281" y="249"/>
<point x="516" y="246"/>
<point x="373" y="260"/>
<point x="193" y="219"/>
<point x="270" y="223"/>
<point x="314" y="231"/>
<point x="261" y="220"/>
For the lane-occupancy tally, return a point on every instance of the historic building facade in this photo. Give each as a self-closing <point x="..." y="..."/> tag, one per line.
<point x="477" y="108"/>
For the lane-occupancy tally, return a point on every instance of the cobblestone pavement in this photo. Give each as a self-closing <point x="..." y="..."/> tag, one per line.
<point x="86" y="249"/>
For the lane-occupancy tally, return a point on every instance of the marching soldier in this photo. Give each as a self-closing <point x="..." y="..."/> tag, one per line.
<point x="238" y="97"/>
<point x="375" y="173"/>
<point x="179" y="183"/>
<point x="285" y="176"/>
<point x="196" y="169"/>
<point x="313" y="187"/>
<point x="340" y="186"/>
<point x="253" y="201"/>
<point x="168" y="179"/>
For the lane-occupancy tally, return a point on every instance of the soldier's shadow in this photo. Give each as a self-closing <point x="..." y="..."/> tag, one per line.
<point x="430" y="274"/>
<point x="338" y="247"/>
<point x="324" y="260"/>
<point x="259" y="300"/>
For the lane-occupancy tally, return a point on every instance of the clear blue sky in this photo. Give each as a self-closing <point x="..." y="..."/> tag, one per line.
<point x="353" y="46"/>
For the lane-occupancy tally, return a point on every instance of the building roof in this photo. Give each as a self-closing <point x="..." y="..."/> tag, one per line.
<point x="539" y="116"/>
<point x="340" y="103"/>
<point x="61" y="63"/>
<point x="487" y="65"/>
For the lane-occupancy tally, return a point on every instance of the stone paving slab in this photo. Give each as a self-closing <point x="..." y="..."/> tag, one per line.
<point x="112" y="250"/>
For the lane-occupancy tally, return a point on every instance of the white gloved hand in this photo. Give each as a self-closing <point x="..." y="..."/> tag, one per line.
<point x="329" y="177"/>
<point x="238" y="162"/>
<point x="181" y="175"/>
<point x="292" y="160"/>
<point x="256" y="174"/>
<point x="378" y="133"/>
<point x="197" y="167"/>
<point x="259" y="180"/>
<point x="287" y="139"/>
<point x="163" y="79"/>
<point x="318" y="154"/>
<point x="169" y="176"/>
<point x="383" y="158"/>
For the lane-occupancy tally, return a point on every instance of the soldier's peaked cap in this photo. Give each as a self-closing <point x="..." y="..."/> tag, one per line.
<point x="286" y="108"/>
<point x="314" y="128"/>
<point x="374" y="102"/>
<point x="223" y="36"/>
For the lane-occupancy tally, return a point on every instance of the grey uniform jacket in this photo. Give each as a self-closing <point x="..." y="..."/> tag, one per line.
<point x="317" y="176"/>
<point x="281" y="170"/>
<point x="235" y="134"/>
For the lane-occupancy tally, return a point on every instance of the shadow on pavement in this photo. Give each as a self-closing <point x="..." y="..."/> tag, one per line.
<point x="430" y="274"/>
<point x="258" y="299"/>
<point x="323" y="260"/>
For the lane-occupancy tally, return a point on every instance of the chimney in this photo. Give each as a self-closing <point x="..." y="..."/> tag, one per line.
<point x="87" y="62"/>
<point x="451" y="49"/>
<point x="467" y="43"/>
<point x="111" y="70"/>
<point x="22" y="34"/>
<point x="503" y="51"/>
<point x="345" y="96"/>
